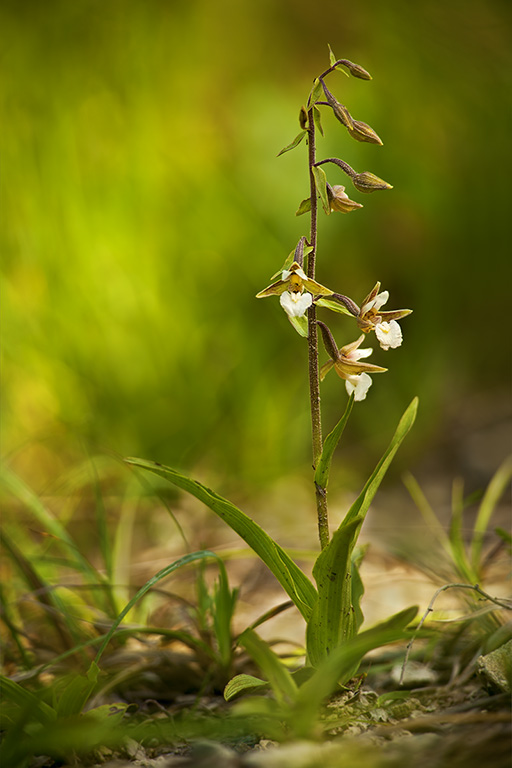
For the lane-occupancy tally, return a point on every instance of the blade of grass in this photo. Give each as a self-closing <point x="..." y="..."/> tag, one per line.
<point x="66" y="628"/>
<point x="183" y="561"/>
<point x="426" y="511"/>
<point x="50" y="523"/>
<point x="491" y="497"/>
<point x="458" y="549"/>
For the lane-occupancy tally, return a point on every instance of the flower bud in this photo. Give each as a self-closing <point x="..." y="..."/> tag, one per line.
<point x="340" y="111"/>
<point x="363" y="132"/>
<point x="369" y="182"/>
<point x="329" y="343"/>
<point x="343" y="115"/>
<point x="357" y="71"/>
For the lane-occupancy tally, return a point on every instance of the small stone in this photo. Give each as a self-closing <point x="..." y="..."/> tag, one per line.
<point x="496" y="667"/>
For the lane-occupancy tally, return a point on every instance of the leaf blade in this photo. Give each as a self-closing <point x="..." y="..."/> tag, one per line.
<point x="292" y="579"/>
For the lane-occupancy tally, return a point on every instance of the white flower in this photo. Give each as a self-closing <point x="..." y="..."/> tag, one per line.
<point x="384" y="324"/>
<point x="295" y="304"/>
<point x="389" y="334"/>
<point x="375" y="303"/>
<point x="346" y="363"/>
<point x="359" y="385"/>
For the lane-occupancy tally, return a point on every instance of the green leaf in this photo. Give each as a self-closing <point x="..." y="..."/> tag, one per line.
<point x="456" y="536"/>
<point x="295" y="143"/>
<point x="292" y="579"/>
<point x="76" y="693"/>
<point x="491" y="497"/>
<point x="185" y="560"/>
<point x="357" y="593"/>
<point x="300" y="324"/>
<point x="48" y="521"/>
<point x="317" y="117"/>
<point x="333" y="620"/>
<point x="304" y="207"/>
<point x="27" y="701"/>
<point x="362" y="503"/>
<point x="316" y="93"/>
<point x="334" y="306"/>
<point x="280" y="680"/>
<point x="321" y="185"/>
<point x="242" y="684"/>
<point x="342" y="664"/>
<point x="330" y="443"/>
<point x="224" y="606"/>
<point x="332" y="57"/>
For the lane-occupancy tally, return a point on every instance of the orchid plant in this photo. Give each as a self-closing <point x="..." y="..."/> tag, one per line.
<point x="300" y="294"/>
<point x="332" y="609"/>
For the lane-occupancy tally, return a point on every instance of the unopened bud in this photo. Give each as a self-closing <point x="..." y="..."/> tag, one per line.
<point x="329" y="343"/>
<point x="303" y="118"/>
<point x="340" y="110"/>
<point x="357" y="71"/>
<point x="369" y="182"/>
<point x="298" y="256"/>
<point x="343" y="115"/>
<point x="363" y="132"/>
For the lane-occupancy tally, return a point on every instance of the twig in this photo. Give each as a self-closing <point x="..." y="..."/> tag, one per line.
<point x="506" y="604"/>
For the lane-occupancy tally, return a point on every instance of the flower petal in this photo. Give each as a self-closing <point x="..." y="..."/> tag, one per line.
<point x="273" y="290"/>
<point x="359" y="385"/>
<point x="389" y="334"/>
<point x="294" y="270"/>
<point x="325" y="368"/>
<point x="295" y="304"/>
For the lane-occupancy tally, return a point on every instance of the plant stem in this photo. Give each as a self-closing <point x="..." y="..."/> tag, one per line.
<point x="314" y="381"/>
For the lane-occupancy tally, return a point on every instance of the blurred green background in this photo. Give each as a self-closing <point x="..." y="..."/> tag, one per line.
<point x="143" y="207"/>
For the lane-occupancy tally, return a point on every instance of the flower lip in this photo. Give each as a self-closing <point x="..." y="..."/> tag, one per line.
<point x="359" y="385"/>
<point x="295" y="304"/>
<point x="371" y="318"/>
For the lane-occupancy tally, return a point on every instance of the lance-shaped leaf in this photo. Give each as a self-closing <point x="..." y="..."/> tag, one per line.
<point x="321" y="186"/>
<point x="363" y="501"/>
<point x="295" y="143"/>
<point x="289" y="575"/>
<point x="333" y="620"/>
<point x="330" y="443"/>
<point x="316" y="92"/>
<point x="304" y="207"/>
<point x="332" y="57"/>
<point x="282" y="683"/>
<point x="343" y="663"/>
<point x="317" y="117"/>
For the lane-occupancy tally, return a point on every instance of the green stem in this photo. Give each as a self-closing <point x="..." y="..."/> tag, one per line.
<point x="314" y="380"/>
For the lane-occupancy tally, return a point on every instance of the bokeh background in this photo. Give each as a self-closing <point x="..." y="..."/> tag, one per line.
<point x="143" y="207"/>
